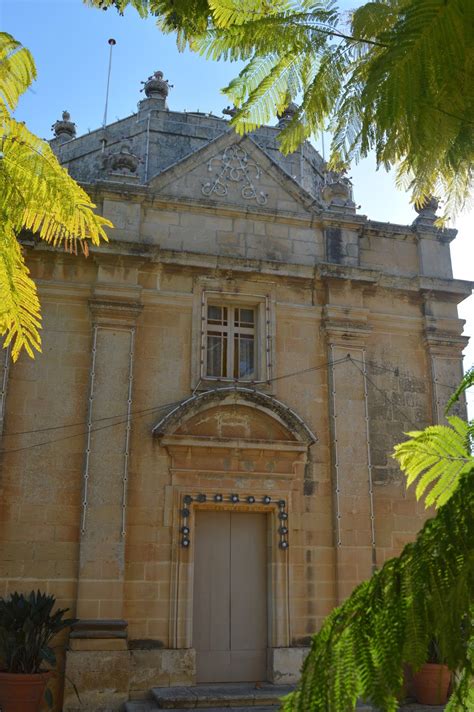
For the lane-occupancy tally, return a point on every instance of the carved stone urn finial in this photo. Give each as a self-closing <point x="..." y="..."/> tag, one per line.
<point x="287" y="114"/>
<point x="121" y="162"/>
<point x="156" y="91"/>
<point x="156" y="87"/>
<point x="427" y="211"/>
<point x="230" y="111"/>
<point x="64" y="128"/>
<point x="124" y="160"/>
<point x="336" y="191"/>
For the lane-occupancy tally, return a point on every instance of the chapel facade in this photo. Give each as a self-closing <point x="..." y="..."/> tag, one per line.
<point x="199" y="462"/>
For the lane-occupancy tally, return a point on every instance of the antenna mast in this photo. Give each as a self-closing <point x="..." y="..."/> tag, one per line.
<point x="112" y="42"/>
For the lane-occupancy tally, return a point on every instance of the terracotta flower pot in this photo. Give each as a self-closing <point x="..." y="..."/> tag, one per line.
<point x="431" y="684"/>
<point x="22" y="693"/>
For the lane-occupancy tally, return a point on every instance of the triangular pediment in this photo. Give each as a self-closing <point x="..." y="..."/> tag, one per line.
<point x="234" y="171"/>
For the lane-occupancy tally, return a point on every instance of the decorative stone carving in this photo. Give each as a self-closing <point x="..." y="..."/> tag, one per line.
<point x="230" y="111"/>
<point x="123" y="161"/>
<point x="287" y="114"/>
<point x="427" y="212"/>
<point x="156" y="87"/>
<point x="337" y="190"/>
<point x="234" y="166"/>
<point x="64" y="127"/>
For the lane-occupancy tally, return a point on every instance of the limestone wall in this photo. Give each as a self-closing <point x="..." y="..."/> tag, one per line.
<point x="404" y="331"/>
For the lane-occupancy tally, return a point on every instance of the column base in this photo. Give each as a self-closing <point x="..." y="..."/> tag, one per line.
<point x="284" y="665"/>
<point x="101" y="677"/>
<point x="106" y="678"/>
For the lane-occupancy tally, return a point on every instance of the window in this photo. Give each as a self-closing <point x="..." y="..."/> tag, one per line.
<point x="231" y="342"/>
<point x="232" y="334"/>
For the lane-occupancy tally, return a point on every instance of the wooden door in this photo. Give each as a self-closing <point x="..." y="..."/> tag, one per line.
<point x="230" y="596"/>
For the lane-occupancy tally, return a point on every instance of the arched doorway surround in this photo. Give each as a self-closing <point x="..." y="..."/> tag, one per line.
<point x="238" y="450"/>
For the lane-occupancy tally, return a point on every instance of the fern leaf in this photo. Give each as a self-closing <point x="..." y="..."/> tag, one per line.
<point x="37" y="193"/>
<point x="388" y="621"/>
<point x="467" y="382"/>
<point x="20" y="316"/>
<point x="17" y="71"/>
<point x="436" y="457"/>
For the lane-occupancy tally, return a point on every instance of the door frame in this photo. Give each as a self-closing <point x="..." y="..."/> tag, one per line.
<point x="182" y="566"/>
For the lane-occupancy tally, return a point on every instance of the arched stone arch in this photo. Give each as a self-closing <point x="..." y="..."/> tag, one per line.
<point x="237" y="449"/>
<point x="270" y="408"/>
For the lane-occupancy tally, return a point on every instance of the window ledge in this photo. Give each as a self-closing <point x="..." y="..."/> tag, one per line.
<point x="210" y="384"/>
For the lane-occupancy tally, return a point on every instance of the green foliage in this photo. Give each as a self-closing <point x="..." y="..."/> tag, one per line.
<point x="419" y="605"/>
<point x="17" y="71"/>
<point x="36" y="194"/>
<point x="436" y="457"/>
<point x="390" y="620"/>
<point x="397" y="80"/>
<point x="185" y="17"/>
<point x="27" y="626"/>
<point x="466" y="383"/>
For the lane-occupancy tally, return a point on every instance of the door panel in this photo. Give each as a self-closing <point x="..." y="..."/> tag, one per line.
<point x="230" y="596"/>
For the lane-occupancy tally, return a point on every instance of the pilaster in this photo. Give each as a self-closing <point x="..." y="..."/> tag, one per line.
<point x="100" y="604"/>
<point x="346" y="331"/>
<point x="445" y="362"/>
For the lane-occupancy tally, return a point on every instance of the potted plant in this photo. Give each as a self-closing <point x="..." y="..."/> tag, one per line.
<point x="27" y="626"/>
<point x="431" y="681"/>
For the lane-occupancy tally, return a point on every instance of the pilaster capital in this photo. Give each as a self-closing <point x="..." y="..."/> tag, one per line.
<point x="346" y="326"/>
<point x="119" y="309"/>
<point x="443" y="337"/>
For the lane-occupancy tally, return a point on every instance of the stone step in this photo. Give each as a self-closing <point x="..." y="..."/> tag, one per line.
<point x="147" y="706"/>
<point x="230" y="703"/>
<point x="221" y="696"/>
<point x="140" y="706"/>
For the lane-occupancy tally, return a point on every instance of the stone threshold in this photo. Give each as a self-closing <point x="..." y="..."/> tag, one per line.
<point x="238" y="697"/>
<point x="221" y="695"/>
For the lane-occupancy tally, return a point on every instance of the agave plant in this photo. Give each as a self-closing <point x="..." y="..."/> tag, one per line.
<point x="27" y="626"/>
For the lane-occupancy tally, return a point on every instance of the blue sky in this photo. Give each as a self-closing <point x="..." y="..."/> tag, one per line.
<point x="69" y="43"/>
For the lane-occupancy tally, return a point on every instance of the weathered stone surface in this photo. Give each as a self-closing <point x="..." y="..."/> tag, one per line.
<point x="97" y="520"/>
<point x="285" y="665"/>
<point x="101" y="678"/>
<point x="161" y="668"/>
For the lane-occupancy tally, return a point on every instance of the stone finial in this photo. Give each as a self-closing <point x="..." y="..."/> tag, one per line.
<point x="230" y="111"/>
<point x="156" y="87"/>
<point x="123" y="161"/>
<point x="427" y="211"/>
<point x="287" y="114"/>
<point x="64" y="128"/>
<point x="337" y="191"/>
